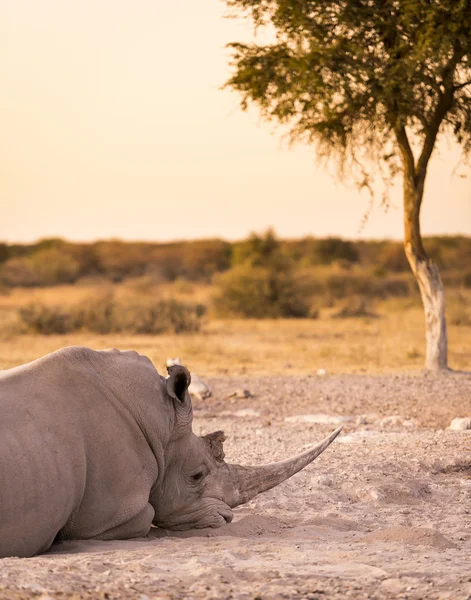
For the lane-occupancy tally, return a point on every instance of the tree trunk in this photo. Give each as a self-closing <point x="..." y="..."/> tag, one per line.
<point x="427" y="276"/>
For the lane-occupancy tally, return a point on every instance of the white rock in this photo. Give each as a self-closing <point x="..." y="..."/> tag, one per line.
<point x="397" y="420"/>
<point x="321" y="372"/>
<point x="366" y="419"/>
<point x="173" y="361"/>
<point x="325" y="480"/>
<point x="460" y="424"/>
<point x="240" y="394"/>
<point x="391" y="420"/>
<point x="198" y="387"/>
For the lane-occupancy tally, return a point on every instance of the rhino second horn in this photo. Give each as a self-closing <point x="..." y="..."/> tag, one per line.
<point x="250" y="481"/>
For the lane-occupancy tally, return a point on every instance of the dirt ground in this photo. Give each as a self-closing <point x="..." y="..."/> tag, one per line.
<point x="385" y="512"/>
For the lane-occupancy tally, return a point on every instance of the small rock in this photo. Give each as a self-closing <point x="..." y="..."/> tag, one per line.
<point x="393" y="420"/>
<point x="366" y="419"/>
<point x="198" y="387"/>
<point x="321" y="372"/>
<point x="460" y="424"/>
<point x="240" y="394"/>
<point x="325" y="480"/>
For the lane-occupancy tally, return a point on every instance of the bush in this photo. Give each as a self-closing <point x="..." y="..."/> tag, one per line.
<point x="335" y="249"/>
<point x="342" y="286"/>
<point x="393" y="258"/>
<point x="258" y="251"/>
<point x="18" y="271"/>
<point x="48" y="266"/>
<point x="356" y="308"/>
<point x="4" y="252"/>
<point x="260" y="292"/>
<point x="467" y="279"/>
<point x="108" y="315"/>
<point x="53" y="266"/>
<point x="47" y="320"/>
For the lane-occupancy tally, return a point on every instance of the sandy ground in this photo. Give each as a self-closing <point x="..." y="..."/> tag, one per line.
<point x="385" y="512"/>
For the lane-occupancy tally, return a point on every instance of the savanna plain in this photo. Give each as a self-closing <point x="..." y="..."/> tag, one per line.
<point x="385" y="512"/>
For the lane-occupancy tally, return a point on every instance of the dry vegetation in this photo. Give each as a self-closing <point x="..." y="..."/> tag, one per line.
<point x="356" y="305"/>
<point x="392" y="341"/>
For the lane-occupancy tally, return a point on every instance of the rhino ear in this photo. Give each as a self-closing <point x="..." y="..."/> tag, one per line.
<point x="177" y="382"/>
<point x="214" y="443"/>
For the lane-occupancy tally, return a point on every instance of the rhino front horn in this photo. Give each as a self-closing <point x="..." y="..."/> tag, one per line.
<point x="247" y="482"/>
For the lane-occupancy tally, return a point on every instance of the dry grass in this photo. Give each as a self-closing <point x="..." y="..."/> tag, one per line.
<point x="394" y="342"/>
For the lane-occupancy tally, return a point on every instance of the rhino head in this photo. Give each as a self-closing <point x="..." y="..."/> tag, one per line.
<point x="198" y="488"/>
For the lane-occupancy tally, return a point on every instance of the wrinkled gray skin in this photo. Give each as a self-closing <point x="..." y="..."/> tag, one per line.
<point x="99" y="445"/>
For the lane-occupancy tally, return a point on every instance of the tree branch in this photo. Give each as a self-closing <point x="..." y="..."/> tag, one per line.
<point x="445" y="102"/>
<point x="406" y="150"/>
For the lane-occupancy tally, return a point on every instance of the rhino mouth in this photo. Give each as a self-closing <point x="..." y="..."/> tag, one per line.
<point x="205" y="517"/>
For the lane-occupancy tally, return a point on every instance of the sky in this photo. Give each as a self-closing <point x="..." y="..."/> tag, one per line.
<point x="113" y="124"/>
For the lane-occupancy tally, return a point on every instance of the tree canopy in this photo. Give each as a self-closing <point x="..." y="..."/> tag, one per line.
<point x="361" y="76"/>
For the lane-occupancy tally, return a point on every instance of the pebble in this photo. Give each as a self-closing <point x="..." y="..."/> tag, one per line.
<point x="460" y="424"/>
<point x="240" y="394"/>
<point x="325" y="480"/>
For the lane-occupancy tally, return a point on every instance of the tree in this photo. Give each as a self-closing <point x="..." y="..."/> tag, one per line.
<point x="368" y="82"/>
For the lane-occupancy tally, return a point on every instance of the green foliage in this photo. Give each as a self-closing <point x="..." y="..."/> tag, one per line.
<point x="109" y="315"/>
<point x="332" y="249"/>
<point x="48" y="266"/>
<point x="50" y="262"/>
<point x="262" y="283"/>
<point x="18" y="271"/>
<point x="4" y="252"/>
<point x="53" y="265"/>
<point x="259" y="251"/>
<point x="260" y="292"/>
<point x="360" y="77"/>
<point x="47" y="320"/>
<point x="323" y="269"/>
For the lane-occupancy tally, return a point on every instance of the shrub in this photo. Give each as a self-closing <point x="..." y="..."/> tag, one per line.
<point x="393" y="258"/>
<point x="345" y="285"/>
<point x="18" y="271"/>
<point x="4" y="252"/>
<point x="163" y="316"/>
<point x="258" y="251"/>
<point x="467" y="279"/>
<point x="260" y="292"/>
<point x="47" y="320"/>
<point x="460" y="317"/>
<point x="48" y="266"/>
<point x="108" y="315"/>
<point x="53" y="266"/>
<point x="335" y="249"/>
<point x="356" y="308"/>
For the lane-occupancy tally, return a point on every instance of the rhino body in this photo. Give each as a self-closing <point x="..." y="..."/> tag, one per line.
<point x="98" y="444"/>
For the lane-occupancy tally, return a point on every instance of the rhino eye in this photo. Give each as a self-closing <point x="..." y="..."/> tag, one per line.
<point x="197" y="476"/>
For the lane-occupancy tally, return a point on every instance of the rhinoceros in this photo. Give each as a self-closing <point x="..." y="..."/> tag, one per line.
<point x="99" y="445"/>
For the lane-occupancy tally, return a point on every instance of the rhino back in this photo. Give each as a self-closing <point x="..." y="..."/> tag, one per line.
<point x="74" y="462"/>
<point x="42" y="464"/>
